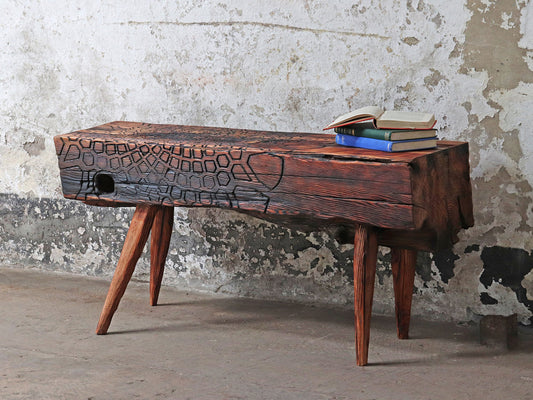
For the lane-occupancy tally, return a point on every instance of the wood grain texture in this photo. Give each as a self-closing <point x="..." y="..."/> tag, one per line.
<point x="159" y="244"/>
<point x="409" y="201"/>
<point x="403" y="263"/>
<point x="269" y="173"/>
<point x="441" y="185"/>
<point x="131" y="251"/>
<point x="364" y="266"/>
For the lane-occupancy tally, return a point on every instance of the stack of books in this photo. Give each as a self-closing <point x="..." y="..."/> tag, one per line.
<point x="373" y="128"/>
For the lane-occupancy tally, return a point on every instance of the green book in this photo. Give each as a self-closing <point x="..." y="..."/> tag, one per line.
<point x="387" y="134"/>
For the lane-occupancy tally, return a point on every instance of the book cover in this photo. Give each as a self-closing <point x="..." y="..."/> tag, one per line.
<point x="363" y="130"/>
<point x="386" y="119"/>
<point x="405" y="120"/>
<point x="368" y="113"/>
<point x="385" y="145"/>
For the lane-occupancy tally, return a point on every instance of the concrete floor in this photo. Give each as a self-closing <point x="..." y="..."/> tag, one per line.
<point x="196" y="346"/>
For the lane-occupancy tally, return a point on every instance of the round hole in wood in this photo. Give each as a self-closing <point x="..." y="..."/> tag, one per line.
<point x="104" y="183"/>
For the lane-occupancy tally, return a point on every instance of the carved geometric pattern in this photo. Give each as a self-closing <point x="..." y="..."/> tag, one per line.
<point x="170" y="173"/>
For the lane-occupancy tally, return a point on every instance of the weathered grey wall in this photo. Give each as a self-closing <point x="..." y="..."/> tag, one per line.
<point x="276" y="65"/>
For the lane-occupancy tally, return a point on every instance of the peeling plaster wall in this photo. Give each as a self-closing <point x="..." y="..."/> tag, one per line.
<point x="277" y="65"/>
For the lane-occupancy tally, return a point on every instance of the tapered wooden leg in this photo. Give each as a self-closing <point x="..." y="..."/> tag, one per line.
<point x="131" y="251"/>
<point x="364" y="266"/>
<point x="159" y="243"/>
<point x="403" y="265"/>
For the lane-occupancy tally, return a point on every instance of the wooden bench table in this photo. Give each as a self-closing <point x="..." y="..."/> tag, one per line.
<point x="408" y="201"/>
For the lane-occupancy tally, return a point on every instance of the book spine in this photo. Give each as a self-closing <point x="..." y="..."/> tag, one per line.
<point x="363" y="142"/>
<point x="369" y="133"/>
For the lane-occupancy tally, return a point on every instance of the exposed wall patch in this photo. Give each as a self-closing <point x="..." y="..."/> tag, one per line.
<point x="507" y="267"/>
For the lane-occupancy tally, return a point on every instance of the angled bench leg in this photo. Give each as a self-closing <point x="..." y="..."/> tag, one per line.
<point x="403" y="263"/>
<point x="364" y="266"/>
<point x="159" y="243"/>
<point x="131" y="251"/>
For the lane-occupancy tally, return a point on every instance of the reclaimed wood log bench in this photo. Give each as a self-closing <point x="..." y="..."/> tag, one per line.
<point x="408" y="201"/>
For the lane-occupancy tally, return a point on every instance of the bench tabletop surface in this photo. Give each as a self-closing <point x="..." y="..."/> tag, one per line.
<point x="270" y="173"/>
<point x="312" y="144"/>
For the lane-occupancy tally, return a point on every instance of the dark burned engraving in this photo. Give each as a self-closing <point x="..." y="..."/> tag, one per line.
<point x="169" y="174"/>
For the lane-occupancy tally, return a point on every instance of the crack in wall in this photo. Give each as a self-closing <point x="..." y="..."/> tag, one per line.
<point x="255" y="23"/>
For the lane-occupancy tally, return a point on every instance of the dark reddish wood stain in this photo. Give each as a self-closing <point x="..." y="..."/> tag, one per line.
<point x="403" y="263"/>
<point x="287" y="174"/>
<point x="411" y="200"/>
<point x="364" y="273"/>
<point x="159" y="244"/>
<point x="131" y="251"/>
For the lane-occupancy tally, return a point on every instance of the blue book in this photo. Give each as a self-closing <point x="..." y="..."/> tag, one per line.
<point x="385" y="145"/>
<point x="362" y="129"/>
